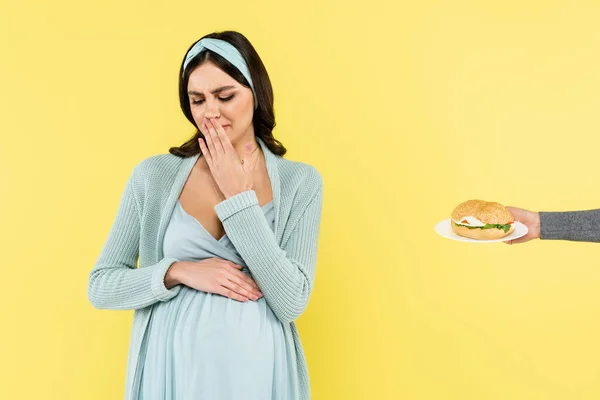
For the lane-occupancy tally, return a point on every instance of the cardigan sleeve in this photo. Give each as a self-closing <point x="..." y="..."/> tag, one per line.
<point x="580" y="226"/>
<point x="285" y="276"/>
<point x="115" y="282"/>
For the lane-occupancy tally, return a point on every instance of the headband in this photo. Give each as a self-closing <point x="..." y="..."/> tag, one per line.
<point x="225" y="50"/>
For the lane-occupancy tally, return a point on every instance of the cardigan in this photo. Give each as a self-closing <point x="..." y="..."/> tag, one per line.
<point x="282" y="260"/>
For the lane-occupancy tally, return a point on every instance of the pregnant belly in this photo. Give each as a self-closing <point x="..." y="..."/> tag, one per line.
<point x="203" y="330"/>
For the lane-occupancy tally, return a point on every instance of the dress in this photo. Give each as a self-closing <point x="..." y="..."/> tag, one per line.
<point x="205" y="346"/>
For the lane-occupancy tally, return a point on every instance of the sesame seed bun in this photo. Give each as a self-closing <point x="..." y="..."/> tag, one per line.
<point x="486" y="212"/>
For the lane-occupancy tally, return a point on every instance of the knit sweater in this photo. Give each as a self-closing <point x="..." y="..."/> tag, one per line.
<point x="282" y="260"/>
<point x="577" y="226"/>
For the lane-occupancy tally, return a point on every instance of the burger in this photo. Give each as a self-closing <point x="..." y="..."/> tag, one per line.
<point x="483" y="220"/>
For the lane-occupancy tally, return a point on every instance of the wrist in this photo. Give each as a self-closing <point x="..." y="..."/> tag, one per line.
<point x="537" y="226"/>
<point x="174" y="275"/>
<point x="235" y="193"/>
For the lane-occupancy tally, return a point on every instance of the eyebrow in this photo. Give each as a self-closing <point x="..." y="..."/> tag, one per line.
<point x="216" y="91"/>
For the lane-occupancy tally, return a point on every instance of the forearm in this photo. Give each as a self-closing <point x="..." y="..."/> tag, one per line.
<point x="282" y="280"/>
<point x="581" y="226"/>
<point x="285" y="277"/>
<point x="115" y="282"/>
<point x="122" y="288"/>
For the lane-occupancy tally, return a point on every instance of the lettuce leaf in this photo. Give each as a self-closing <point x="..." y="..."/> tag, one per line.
<point x="504" y="227"/>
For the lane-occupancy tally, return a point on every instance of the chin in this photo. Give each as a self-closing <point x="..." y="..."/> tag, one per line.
<point x="234" y="138"/>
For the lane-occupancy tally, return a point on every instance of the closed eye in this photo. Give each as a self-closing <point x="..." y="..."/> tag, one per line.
<point x="223" y="99"/>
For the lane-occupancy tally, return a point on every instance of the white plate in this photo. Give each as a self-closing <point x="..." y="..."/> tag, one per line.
<point x="444" y="229"/>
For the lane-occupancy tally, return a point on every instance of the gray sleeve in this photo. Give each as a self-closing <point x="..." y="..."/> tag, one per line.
<point x="579" y="226"/>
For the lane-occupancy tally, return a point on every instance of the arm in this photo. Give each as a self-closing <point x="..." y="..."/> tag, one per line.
<point x="581" y="226"/>
<point x="115" y="282"/>
<point x="285" y="277"/>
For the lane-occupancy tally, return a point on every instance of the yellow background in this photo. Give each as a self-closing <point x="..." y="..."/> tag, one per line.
<point x="406" y="109"/>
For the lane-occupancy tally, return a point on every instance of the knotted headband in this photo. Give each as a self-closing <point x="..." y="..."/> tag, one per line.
<point x="225" y="50"/>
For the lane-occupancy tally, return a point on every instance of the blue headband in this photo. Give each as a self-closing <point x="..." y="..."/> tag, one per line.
<point x="225" y="50"/>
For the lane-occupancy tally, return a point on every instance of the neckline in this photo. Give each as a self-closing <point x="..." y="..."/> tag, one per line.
<point x="202" y="226"/>
<point x="183" y="173"/>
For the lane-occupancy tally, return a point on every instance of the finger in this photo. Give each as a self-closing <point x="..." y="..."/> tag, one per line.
<point x="247" y="281"/>
<point x="235" y="269"/>
<point x="205" y="151"/>
<point x="513" y="210"/>
<point x="520" y="240"/>
<point x="230" y="264"/>
<point x="244" y="277"/>
<point x="209" y="140"/>
<point x="239" y="287"/>
<point x="223" y="291"/>
<point x="224" y="139"/>
<point x="215" y="137"/>
<point x="244" y="288"/>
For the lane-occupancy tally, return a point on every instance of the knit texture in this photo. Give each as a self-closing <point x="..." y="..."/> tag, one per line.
<point x="579" y="226"/>
<point x="282" y="261"/>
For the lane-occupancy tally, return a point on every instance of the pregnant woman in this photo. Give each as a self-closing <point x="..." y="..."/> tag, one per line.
<point x="225" y="231"/>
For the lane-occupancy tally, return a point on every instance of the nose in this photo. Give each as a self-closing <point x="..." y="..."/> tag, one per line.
<point x="212" y="109"/>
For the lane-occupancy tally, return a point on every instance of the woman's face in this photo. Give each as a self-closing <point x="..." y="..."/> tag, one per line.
<point x="214" y="94"/>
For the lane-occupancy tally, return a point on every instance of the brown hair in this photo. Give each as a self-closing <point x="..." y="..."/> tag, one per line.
<point x="264" y="115"/>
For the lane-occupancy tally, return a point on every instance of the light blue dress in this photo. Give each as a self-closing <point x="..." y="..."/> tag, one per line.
<point x="205" y="346"/>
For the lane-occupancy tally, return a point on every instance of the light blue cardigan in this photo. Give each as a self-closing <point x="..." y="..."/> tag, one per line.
<point x="282" y="260"/>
